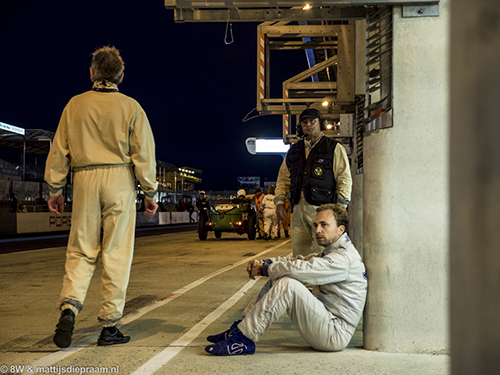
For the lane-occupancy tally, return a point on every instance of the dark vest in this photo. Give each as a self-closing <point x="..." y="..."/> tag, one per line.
<point x="313" y="175"/>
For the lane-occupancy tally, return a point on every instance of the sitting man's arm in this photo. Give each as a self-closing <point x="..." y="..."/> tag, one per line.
<point x="258" y="267"/>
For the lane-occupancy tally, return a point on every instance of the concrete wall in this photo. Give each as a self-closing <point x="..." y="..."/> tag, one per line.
<point x="356" y="212"/>
<point x="44" y="222"/>
<point x="406" y="197"/>
<point x="475" y="186"/>
<point x="356" y="204"/>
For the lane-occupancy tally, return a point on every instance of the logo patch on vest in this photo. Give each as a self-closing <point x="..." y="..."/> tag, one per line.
<point x="318" y="171"/>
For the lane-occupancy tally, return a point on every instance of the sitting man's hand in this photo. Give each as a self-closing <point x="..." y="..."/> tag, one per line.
<point x="253" y="268"/>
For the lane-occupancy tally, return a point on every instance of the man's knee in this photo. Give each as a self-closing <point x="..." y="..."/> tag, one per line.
<point x="289" y="284"/>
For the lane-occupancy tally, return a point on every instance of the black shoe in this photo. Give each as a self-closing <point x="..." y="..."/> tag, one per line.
<point x="110" y="337"/>
<point x="64" y="329"/>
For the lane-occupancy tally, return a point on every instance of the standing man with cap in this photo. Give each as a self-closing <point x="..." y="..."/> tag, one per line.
<point x="106" y="137"/>
<point x="315" y="171"/>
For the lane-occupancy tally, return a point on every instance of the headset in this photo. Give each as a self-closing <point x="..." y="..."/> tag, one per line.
<point x="317" y="114"/>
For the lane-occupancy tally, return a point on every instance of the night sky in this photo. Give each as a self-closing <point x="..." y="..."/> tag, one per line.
<point x="195" y="89"/>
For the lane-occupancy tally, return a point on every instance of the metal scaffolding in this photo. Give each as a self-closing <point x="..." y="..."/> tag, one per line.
<point x="325" y="30"/>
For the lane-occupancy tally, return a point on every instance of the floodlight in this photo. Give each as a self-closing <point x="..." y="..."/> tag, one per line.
<point x="266" y="146"/>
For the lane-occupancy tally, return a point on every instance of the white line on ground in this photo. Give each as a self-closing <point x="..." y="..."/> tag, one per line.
<point x="173" y="349"/>
<point x="88" y="340"/>
<point x="198" y="282"/>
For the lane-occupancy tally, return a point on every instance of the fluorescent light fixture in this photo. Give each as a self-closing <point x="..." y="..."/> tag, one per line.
<point x="12" y="128"/>
<point x="306" y="7"/>
<point x="266" y="146"/>
<point x="271" y="146"/>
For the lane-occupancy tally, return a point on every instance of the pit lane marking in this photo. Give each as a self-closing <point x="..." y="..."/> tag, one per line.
<point x="89" y="340"/>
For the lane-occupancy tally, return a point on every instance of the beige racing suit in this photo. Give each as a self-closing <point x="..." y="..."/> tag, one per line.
<point x="303" y="213"/>
<point x="325" y="318"/>
<point x="106" y="137"/>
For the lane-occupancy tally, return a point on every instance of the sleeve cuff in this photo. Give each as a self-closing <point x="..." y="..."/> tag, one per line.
<point x="151" y="195"/>
<point x="279" y="200"/>
<point x="264" y="270"/>
<point x="343" y="201"/>
<point x="54" y="192"/>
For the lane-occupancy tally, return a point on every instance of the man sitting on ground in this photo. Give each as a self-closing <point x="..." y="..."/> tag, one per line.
<point x="325" y="318"/>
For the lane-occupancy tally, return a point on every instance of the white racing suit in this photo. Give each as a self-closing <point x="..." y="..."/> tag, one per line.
<point x="270" y="218"/>
<point x="325" y="318"/>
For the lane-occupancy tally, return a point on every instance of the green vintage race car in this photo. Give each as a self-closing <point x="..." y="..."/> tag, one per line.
<point x="228" y="215"/>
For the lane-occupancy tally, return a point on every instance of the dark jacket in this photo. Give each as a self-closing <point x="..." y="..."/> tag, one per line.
<point x="314" y="175"/>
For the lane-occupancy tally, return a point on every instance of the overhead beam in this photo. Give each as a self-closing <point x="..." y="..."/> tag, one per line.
<point x="287" y="10"/>
<point x="260" y="15"/>
<point x="315" y="69"/>
<point x="300" y="31"/>
<point x="328" y="85"/>
<point x="285" y="45"/>
<point x="283" y="3"/>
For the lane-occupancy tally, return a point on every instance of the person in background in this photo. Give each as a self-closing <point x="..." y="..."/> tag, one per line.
<point x="190" y="208"/>
<point x="106" y="137"/>
<point x="202" y="205"/>
<point x="258" y="197"/>
<point x="270" y="218"/>
<point x="14" y="203"/>
<point x="241" y="198"/>
<point x="315" y="171"/>
<point x="285" y="223"/>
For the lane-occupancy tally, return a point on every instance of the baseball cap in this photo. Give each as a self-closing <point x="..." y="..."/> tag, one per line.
<point x="309" y="113"/>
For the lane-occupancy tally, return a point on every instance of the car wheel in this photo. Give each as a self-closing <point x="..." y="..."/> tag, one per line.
<point x="202" y="228"/>
<point x="218" y="234"/>
<point x="251" y="229"/>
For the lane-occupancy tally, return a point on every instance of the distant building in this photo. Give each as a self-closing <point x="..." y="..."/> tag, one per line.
<point x="248" y="182"/>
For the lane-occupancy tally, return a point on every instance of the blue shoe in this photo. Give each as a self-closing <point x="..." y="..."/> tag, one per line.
<point x="224" y="335"/>
<point x="236" y="344"/>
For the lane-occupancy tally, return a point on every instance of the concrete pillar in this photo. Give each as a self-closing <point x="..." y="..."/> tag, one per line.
<point x="406" y="197"/>
<point x="356" y="212"/>
<point x="475" y="186"/>
<point x="356" y="204"/>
